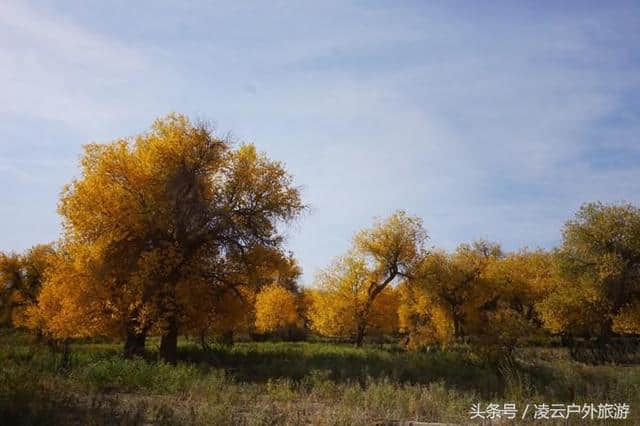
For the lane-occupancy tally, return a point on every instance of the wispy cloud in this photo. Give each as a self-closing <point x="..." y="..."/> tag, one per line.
<point x="57" y="71"/>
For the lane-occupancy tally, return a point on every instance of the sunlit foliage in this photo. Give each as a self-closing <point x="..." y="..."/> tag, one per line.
<point x="177" y="232"/>
<point x="423" y="317"/>
<point x="340" y="305"/>
<point x="350" y="299"/>
<point x="276" y="309"/>
<point x="169" y="210"/>
<point x="476" y="293"/>
<point x="598" y="292"/>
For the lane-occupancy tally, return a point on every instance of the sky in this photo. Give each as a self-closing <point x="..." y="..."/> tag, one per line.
<point x="492" y="120"/>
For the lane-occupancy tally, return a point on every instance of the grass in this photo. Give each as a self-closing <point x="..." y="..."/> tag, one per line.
<point x="289" y="383"/>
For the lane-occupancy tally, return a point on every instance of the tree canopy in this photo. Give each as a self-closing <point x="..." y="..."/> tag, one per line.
<point x="153" y="217"/>
<point x="348" y="290"/>
<point x="598" y="290"/>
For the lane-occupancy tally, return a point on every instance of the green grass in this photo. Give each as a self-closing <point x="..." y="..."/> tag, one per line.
<point x="289" y="383"/>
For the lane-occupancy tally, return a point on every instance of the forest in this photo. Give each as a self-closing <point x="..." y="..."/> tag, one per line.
<point x="170" y="297"/>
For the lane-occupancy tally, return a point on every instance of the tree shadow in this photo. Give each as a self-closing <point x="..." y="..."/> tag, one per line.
<point x="295" y="361"/>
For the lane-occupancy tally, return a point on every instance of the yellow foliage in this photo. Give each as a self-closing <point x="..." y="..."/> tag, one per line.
<point x="82" y="312"/>
<point x="395" y="244"/>
<point x="216" y="311"/>
<point x="354" y="294"/>
<point x="340" y="303"/>
<point x="157" y="223"/>
<point x="276" y="308"/>
<point x="596" y="289"/>
<point x="476" y="292"/>
<point x="176" y="229"/>
<point x="21" y="278"/>
<point x="628" y="320"/>
<point x="423" y="318"/>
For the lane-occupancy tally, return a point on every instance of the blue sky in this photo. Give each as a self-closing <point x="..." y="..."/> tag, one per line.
<point x="487" y="119"/>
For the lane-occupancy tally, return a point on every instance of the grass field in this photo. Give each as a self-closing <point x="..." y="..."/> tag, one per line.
<point x="291" y="383"/>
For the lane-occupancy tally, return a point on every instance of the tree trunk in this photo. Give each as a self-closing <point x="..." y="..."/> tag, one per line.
<point x="227" y="338"/>
<point x="360" y="335"/>
<point x="65" y="361"/>
<point x="567" y="340"/>
<point x="169" y="343"/>
<point x="134" y="344"/>
<point x="456" y="326"/>
<point x="607" y="333"/>
<point x="203" y="341"/>
<point x="406" y="340"/>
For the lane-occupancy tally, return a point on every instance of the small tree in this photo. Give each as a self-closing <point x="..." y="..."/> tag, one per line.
<point x="347" y="291"/>
<point x="21" y="278"/>
<point x="340" y="304"/>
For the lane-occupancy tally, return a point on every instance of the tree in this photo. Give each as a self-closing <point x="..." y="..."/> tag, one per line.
<point x="518" y="282"/>
<point x="470" y="293"/>
<point x="242" y="276"/>
<point x="276" y="309"/>
<point x="171" y="209"/>
<point x="306" y="298"/>
<point x="347" y="291"/>
<point x="450" y="290"/>
<point x="21" y="277"/>
<point x="72" y="304"/>
<point x="423" y="317"/>
<point x="478" y="293"/>
<point x="429" y="311"/>
<point x="340" y="304"/>
<point x="597" y="292"/>
<point x="217" y="312"/>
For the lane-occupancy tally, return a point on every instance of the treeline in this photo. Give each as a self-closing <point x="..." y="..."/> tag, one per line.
<point x="177" y="232"/>
<point x="588" y="288"/>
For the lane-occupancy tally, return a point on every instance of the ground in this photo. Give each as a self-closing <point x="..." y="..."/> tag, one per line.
<point x="267" y="383"/>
